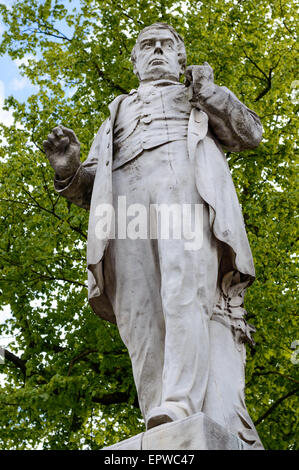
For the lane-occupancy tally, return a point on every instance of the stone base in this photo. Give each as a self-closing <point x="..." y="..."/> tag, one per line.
<point x="197" y="432"/>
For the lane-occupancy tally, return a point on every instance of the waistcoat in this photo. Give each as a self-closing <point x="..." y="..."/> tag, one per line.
<point x="151" y="116"/>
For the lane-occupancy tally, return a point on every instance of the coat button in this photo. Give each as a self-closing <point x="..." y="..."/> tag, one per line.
<point x="146" y="119"/>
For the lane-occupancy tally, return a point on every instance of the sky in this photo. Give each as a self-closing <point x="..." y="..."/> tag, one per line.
<point x="11" y="80"/>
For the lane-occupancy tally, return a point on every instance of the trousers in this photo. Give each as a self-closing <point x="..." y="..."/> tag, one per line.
<point x="162" y="294"/>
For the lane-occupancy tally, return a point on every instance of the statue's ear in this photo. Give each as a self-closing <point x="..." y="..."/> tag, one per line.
<point x="136" y="71"/>
<point x="183" y="65"/>
<point x="182" y="70"/>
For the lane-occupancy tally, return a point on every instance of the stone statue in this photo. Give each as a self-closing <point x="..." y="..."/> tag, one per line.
<point x="179" y="311"/>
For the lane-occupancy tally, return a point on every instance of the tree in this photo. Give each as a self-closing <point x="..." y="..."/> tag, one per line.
<point x="67" y="376"/>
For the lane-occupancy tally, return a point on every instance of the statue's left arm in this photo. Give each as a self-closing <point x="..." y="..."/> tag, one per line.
<point x="235" y="126"/>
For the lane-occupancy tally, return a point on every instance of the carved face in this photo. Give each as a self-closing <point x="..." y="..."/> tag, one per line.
<point x="157" y="56"/>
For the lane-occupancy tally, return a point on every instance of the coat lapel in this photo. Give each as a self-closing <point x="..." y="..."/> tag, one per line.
<point x="197" y="129"/>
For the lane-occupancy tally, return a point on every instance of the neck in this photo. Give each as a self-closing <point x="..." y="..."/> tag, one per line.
<point x="161" y="79"/>
<point x="154" y="78"/>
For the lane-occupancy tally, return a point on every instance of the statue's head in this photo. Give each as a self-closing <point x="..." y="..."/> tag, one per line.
<point x="159" y="53"/>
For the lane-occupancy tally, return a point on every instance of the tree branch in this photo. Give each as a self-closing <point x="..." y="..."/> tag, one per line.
<point x="284" y="22"/>
<point x="269" y="82"/>
<point x="102" y="75"/>
<point x="40" y="275"/>
<point x="275" y="404"/>
<point x="255" y="64"/>
<point x="59" y="35"/>
<point x="46" y="32"/>
<point x="78" y="358"/>
<point x="127" y="14"/>
<point x="264" y="91"/>
<point x="274" y="372"/>
<point x="52" y="212"/>
<point x="9" y="356"/>
<point x="114" y="398"/>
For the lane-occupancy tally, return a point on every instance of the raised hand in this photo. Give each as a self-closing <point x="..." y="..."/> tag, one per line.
<point x="63" y="151"/>
<point x="199" y="75"/>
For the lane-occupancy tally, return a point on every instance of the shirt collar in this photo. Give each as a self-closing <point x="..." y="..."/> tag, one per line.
<point x="156" y="83"/>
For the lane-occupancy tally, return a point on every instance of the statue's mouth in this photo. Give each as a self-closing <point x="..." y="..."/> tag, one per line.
<point x="157" y="62"/>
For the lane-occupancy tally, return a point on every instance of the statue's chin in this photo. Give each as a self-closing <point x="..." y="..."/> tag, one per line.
<point x="158" y="73"/>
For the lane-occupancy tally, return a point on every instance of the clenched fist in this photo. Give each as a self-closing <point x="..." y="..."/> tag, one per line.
<point x="63" y="151"/>
<point x="199" y="76"/>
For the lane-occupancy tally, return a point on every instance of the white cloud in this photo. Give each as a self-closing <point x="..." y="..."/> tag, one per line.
<point x="24" y="60"/>
<point x="6" y="117"/>
<point x="20" y="83"/>
<point x="7" y="3"/>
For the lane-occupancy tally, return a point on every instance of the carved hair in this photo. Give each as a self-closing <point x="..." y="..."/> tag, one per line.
<point x="179" y="40"/>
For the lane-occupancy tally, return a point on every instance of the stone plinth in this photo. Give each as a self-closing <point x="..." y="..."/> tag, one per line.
<point x="197" y="432"/>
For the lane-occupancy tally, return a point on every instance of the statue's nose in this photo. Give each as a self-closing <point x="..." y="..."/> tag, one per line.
<point x="158" y="48"/>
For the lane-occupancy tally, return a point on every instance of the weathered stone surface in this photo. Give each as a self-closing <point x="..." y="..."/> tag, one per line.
<point x="197" y="432"/>
<point x="134" y="443"/>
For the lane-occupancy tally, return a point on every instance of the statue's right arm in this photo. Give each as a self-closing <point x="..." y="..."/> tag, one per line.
<point x="74" y="180"/>
<point x="77" y="188"/>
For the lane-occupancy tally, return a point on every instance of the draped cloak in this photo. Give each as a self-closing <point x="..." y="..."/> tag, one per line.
<point x="219" y="120"/>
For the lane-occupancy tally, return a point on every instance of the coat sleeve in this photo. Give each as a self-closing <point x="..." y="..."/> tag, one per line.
<point x="78" y="187"/>
<point x="235" y="126"/>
